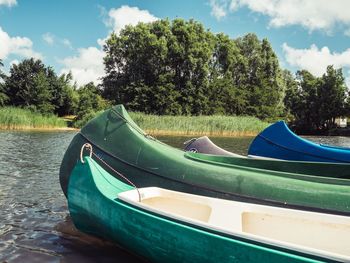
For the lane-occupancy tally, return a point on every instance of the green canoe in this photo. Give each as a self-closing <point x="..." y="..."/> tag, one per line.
<point x="334" y="170"/>
<point x="168" y="226"/>
<point x="147" y="162"/>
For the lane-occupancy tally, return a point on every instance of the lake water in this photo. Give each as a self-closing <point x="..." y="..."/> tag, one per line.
<point x="34" y="220"/>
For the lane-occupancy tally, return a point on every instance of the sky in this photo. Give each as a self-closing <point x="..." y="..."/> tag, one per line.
<point x="69" y="35"/>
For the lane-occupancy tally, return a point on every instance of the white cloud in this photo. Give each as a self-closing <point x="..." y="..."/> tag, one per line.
<point x="87" y="66"/>
<point x="218" y="9"/>
<point x="311" y="14"/>
<point x="67" y="43"/>
<point x="48" y="38"/>
<point x="126" y="15"/>
<point x="21" y="46"/>
<point x="347" y="32"/>
<point x="314" y="59"/>
<point x="8" y="3"/>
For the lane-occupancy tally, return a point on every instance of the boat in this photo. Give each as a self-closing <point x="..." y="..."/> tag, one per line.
<point x="118" y="141"/>
<point x="161" y="225"/>
<point x="205" y="145"/>
<point x="278" y="141"/>
<point x="204" y="150"/>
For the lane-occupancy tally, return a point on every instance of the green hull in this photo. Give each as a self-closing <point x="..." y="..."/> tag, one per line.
<point x="333" y="170"/>
<point x="148" y="162"/>
<point x="95" y="209"/>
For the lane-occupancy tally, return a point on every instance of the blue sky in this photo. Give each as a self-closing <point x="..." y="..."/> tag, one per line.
<point x="68" y="35"/>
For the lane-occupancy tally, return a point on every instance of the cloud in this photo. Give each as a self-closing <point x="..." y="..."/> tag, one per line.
<point x="48" y="38"/>
<point x="67" y="43"/>
<point x="347" y="32"/>
<point x="126" y="15"/>
<point x="218" y="9"/>
<point x="311" y="14"/>
<point x="316" y="60"/>
<point x="20" y="46"/>
<point x="87" y="66"/>
<point x="8" y="3"/>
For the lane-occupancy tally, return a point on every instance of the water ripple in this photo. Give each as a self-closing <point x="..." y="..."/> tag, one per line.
<point x="34" y="221"/>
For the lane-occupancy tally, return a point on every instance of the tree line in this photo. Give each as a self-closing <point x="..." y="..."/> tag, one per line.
<point x="32" y="85"/>
<point x="179" y="67"/>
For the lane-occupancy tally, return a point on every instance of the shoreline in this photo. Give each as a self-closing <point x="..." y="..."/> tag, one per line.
<point x="29" y="128"/>
<point x="150" y="132"/>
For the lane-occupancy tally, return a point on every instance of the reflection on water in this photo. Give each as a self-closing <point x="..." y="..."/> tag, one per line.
<point x="34" y="222"/>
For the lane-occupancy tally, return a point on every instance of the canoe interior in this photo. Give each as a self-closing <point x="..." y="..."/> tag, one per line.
<point x="299" y="230"/>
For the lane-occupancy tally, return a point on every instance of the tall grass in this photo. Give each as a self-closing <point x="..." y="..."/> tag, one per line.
<point x="16" y="118"/>
<point x="199" y="125"/>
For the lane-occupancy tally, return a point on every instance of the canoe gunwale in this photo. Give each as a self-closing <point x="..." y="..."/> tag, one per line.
<point x="247" y="198"/>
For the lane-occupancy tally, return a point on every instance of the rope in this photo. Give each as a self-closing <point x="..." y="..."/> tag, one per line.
<point x="89" y="147"/>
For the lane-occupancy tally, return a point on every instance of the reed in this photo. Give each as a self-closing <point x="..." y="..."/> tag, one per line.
<point x="12" y="118"/>
<point x="215" y="125"/>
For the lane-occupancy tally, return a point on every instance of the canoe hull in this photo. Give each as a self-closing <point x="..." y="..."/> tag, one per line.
<point x="155" y="237"/>
<point x="331" y="170"/>
<point x="147" y="162"/>
<point x="278" y="141"/>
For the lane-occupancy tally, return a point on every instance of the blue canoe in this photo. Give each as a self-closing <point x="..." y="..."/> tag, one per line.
<point x="278" y="141"/>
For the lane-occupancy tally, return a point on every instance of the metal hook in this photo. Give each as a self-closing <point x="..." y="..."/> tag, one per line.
<point x="87" y="146"/>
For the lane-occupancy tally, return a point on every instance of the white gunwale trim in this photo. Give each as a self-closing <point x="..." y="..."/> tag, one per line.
<point x="131" y="197"/>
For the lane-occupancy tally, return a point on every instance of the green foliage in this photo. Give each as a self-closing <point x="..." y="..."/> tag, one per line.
<point x="179" y="67"/>
<point x="3" y="96"/>
<point x="16" y="118"/>
<point x="185" y="125"/>
<point x="33" y="85"/>
<point x="90" y="102"/>
<point x="316" y="102"/>
<point x="209" y="125"/>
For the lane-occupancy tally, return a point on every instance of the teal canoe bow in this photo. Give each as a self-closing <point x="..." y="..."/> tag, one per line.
<point x="168" y="226"/>
<point x="332" y="170"/>
<point x="147" y="162"/>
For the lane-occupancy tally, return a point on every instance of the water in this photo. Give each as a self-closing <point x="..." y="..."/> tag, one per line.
<point x="34" y="222"/>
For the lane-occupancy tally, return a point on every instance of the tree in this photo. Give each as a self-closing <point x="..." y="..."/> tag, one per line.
<point x="179" y="67"/>
<point x="33" y="85"/>
<point x="89" y="99"/>
<point x="261" y="77"/>
<point x="64" y="95"/>
<point x="332" y="95"/>
<point x="161" y="63"/>
<point x="316" y="102"/>
<point x="39" y="98"/>
<point x="28" y="86"/>
<point x="3" y="96"/>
